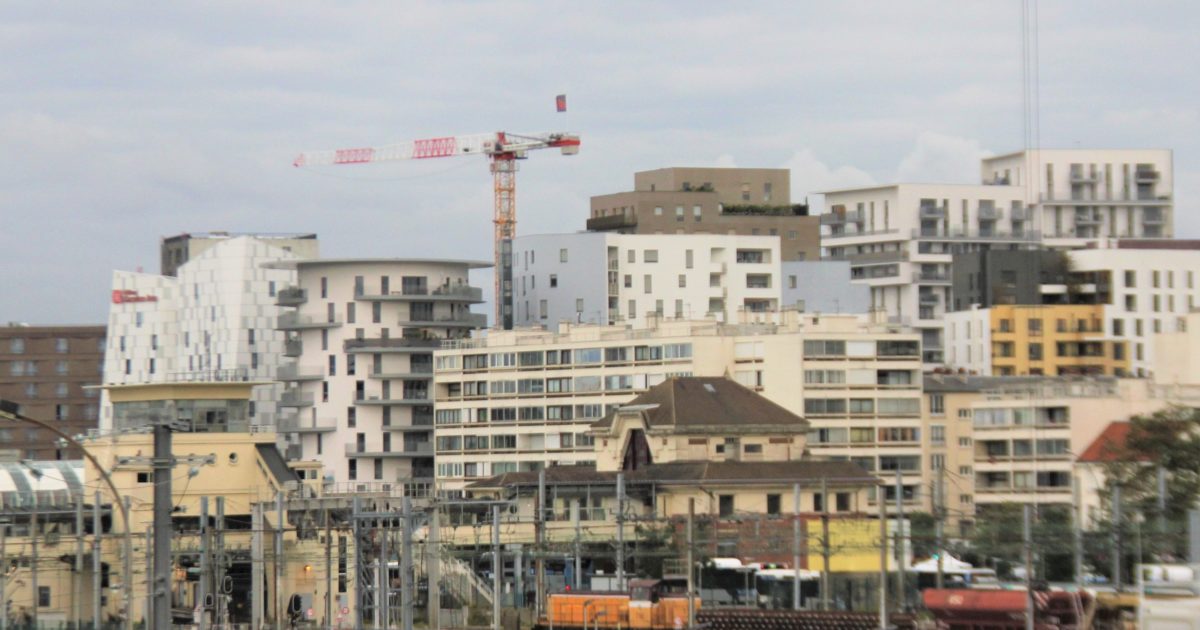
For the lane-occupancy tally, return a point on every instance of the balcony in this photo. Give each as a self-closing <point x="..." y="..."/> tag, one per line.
<point x="932" y="212"/>
<point x="1083" y="177"/>
<point x="1087" y="218"/>
<point x="841" y="218"/>
<point x="445" y="293"/>
<point x="422" y="373"/>
<point x="1152" y="218"/>
<point x="307" y="424"/>
<point x="928" y="298"/>
<point x="297" y="373"/>
<point x="987" y="213"/>
<point x="459" y="320"/>
<point x="296" y="321"/>
<point x="421" y="449"/>
<point x="1020" y="214"/>
<point x="392" y="344"/>
<point x="873" y="258"/>
<point x="611" y="222"/>
<point x="291" y="296"/>
<point x="970" y="235"/>
<point x="931" y="277"/>
<point x="295" y="398"/>
<point x="1145" y="175"/>
<point x="405" y="400"/>
<point x="293" y="348"/>
<point x="422" y="424"/>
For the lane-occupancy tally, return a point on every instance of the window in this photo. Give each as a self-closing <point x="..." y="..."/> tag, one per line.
<point x="937" y="434"/>
<point x="752" y="449"/>
<point x="824" y="348"/>
<point x="679" y="213"/>
<point x="16" y="345"/>
<point x="333" y="365"/>
<point x="1131" y="279"/>
<point x="553" y="280"/>
<point x="543" y="309"/>
<point x="43" y="596"/>
<point x="1035" y="352"/>
<point x="725" y="504"/>
<point x="578" y="305"/>
<point x="774" y="505"/>
<point x="658" y="211"/>
<point x="937" y="404"/>
<point x="647" y="284"/>
<point x="687" y="257"/>
<point x="352" y="469"/>
<point x="682" y="281"/>
<point x="964" y="442"/>
<point x="650" y="256"/>
<point x="376" y="312"/>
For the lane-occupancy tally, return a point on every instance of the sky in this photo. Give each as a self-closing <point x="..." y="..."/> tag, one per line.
<point x="123" y="122"/>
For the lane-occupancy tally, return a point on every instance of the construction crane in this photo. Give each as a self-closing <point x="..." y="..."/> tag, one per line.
<point x="502" y="149"/>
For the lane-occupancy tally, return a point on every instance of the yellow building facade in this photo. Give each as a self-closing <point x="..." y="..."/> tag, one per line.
<point x="1034" y="339"/>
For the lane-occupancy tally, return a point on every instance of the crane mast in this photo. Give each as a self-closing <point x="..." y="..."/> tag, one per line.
<point x="503" y="149"/>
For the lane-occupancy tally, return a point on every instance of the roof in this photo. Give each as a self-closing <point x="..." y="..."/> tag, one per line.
<point x="275" y="463"/>
<point x="1109" y="446"/>
<point x="837" y="473"/>
<point x="684" y="403"/>
<point x="319" y="262"/>
<point x="1155" y="243"/>
<point x="962" y="383"/>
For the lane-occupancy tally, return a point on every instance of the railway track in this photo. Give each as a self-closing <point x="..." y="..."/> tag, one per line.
<point x="748" y="619"/>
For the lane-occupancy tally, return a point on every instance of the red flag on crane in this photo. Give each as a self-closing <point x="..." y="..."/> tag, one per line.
<point x="560" y="102"/>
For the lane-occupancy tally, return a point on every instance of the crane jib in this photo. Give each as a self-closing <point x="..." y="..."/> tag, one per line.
<point x="434" y="147"/>
<point x="353" y="156"/>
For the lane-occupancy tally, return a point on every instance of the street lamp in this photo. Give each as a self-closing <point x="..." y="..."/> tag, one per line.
<point x="9" y="411"/>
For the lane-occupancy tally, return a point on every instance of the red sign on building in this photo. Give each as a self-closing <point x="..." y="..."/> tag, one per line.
<point x="125" y="296"/>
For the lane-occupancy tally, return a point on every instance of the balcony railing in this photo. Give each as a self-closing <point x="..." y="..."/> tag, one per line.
<point x="297" y="373"/>
<point x="394" y="344"/>
<point x="611" y="222"/>
<point x="1146" y="175"/>
<point x="938" y="277"/>
<point x="422" y="449"/>
<point x="839" y="218"/>
<point x="290" y="296"/>
<point x="295" y="398"/>
<point x="990" y="214"/>
<point x="304" y="423"/>
<point x="932" y="212"/>
<point x="293" y="348"/>
<point x="296" y="321"/>
<point x="971" y="235"/>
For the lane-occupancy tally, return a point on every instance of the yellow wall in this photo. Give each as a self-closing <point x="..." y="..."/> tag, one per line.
<point x="1011" y="334"/>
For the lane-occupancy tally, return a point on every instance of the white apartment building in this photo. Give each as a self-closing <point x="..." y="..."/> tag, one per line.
<point x="1080" y="195"/>
<point x="1153" y="288"/>
<point x="1027" y="433"/>
<point x="362" y="333"/>
<point x="609" y="278"/>
<point x="215" y="318"/>
<point x="522" y="399"/>
<point x="899" y="240"/>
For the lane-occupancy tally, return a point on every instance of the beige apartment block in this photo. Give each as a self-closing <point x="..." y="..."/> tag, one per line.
<point x="743" y="201"/>
<point x="521" y="400"/>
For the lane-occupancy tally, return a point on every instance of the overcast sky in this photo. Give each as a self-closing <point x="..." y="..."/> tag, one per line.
<point x="122" y="122"/>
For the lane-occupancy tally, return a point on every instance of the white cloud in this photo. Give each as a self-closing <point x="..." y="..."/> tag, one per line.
<point x="942" y="158"/>
<point x="810" y="176"/>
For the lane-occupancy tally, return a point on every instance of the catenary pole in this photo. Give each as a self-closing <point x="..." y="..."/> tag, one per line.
<point x="796" y="546"/>
<point x="883" y="560"/>
<point x="497" y="568"/>
<point x="691" y="563"/>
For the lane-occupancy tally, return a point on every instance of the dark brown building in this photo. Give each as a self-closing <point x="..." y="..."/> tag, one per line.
<point x="745" y="201"/>
<point x="44" y="369"/>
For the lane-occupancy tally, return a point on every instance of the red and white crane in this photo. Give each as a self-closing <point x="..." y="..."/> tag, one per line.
<point x="502" y="149"/>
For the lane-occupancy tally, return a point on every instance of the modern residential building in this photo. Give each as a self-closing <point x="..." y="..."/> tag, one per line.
<point x="1004" y="276"/>
<point x="48" y="371"/>
<point x="611" y="278"/>
<point x="900" y="240"/>
<point x="1080" y="195"/>
<point x="522" y="400"/>
<point x="214" y="320"/>
<point x="745" y="201"/>
<point x="1030" y="340"/>
<point x="177" y="250"/>
<point x="362" y="334"/>
<point x="1028" y="434"/>
<point x="823" y="286"/>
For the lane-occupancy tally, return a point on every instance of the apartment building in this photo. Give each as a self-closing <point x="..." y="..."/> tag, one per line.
<point x="1023" y="340"/>
<point x="521" y="400"/>
<point x="1081" y="195"/>
<point x="47" y="371"/>
<point x="214" y="319"/>
<point x="1151" y="287"/>
<point x="362" y="333"/>
<point x="900" y="240"/>
<point x="745" y="201"/>
<point x="1028" y="434"/>
<point x="176" y="250"/>
<point x="1177" y="353"/>
<point x="610" y="278"/>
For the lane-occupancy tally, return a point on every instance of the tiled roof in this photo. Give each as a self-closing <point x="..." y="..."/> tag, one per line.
<point x="688" y="473"/>
<point x="1109" y="446"/>
<point x="708" y="402"/>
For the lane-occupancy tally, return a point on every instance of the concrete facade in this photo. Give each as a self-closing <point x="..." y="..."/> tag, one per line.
<point x="745" y="201"/>
<point x="215" y="319"/>
<point x="48" y="371"/>
<point x="362" y="334"/>
<point x="610" y="278"/>
<point x="900" y="241"/>
<point x="1081" y="195"/>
